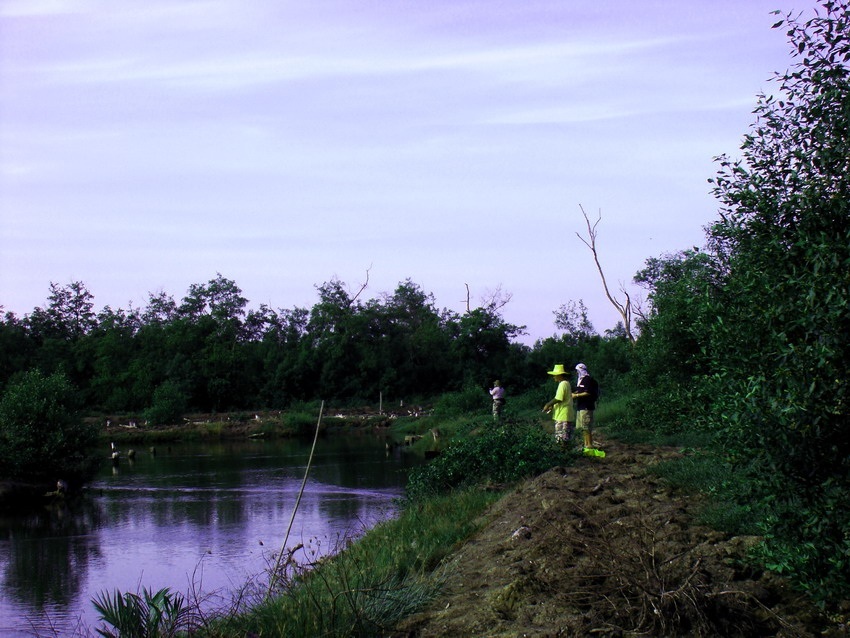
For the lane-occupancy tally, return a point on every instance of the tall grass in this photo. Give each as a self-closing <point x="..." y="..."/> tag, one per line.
<point x="373" y="583"/>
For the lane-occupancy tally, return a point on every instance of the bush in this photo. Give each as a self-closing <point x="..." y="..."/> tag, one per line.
<point x="495" y="454"/>
<point x="300" y="423"/>
<point x="470" y="400"/>
<point x="169" y="405"/>
<point x="41" y="437"/>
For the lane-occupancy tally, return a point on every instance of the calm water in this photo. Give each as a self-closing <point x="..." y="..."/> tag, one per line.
<point x="192" y="517"/>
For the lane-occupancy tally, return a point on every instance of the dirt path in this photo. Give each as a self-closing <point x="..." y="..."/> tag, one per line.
<point x="605" y="549"/>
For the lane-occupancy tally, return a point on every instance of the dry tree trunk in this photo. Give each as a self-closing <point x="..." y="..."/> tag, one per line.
<point x="625" y="309"/>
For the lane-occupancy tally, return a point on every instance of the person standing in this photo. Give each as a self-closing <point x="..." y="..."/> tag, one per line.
<point x="561" y="406"/>
<point x="498" y="394"/>
<point x="586" y="395"/>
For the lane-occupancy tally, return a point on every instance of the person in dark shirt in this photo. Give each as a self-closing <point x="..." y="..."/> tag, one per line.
<point x="586" y="393"/>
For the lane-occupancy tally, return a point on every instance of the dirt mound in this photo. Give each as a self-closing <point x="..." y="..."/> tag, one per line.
<point x="604" y="548"/>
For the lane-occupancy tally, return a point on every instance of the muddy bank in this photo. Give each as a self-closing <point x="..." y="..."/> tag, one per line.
<point x="604" y="548"/>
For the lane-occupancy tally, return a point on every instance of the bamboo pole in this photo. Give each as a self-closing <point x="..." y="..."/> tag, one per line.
<point x="275" y="575"/>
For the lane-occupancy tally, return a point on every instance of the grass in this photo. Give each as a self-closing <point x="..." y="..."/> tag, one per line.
<point x="702" y="469"/>
<point x="707" y="473"/>
<point x="373" y="583"/>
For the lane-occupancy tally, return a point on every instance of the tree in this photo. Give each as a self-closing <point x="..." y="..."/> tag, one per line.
<point x="482" y="344"/>
<point x="412" y="332"/>
<point x="41" y="438"/>
<point x="58" y="331"/>
<point x="161" y="309"/>
<point x="331" y="332"/>
<point x="220" y="298"/>
<point x="571" y="318"/>
<point x="16" y="346"/>
<point x="680" y="288"/>
<point x="209" y="359"/>
<point x="623" y="307"/>
<point x="780" y="347"/>
<point x="112" y="348"/>
<point x="671" y="355"/>
<point x="70" y="313"/>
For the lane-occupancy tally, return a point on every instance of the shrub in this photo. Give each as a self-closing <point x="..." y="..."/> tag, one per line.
<point x="169" y="405"/>
<point x="470" y="400"/>
<point x="41" y="437"/>
<point x="150" y="615"/>
<point x="496" y="454"/>
<point x="299" y="423"/>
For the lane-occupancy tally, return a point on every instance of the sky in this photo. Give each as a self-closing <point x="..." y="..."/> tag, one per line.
<point x="149" y="145"/>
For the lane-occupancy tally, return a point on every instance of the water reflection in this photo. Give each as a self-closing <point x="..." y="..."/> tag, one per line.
<point x="188" y="517"/>
<point x="48" y="554"/>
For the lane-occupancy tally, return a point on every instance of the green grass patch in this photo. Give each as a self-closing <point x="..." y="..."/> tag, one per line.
<point x="373" y="583"/>
<point x="725" y="507"/>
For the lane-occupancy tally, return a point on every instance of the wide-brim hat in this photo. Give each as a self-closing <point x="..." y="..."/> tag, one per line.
<point x="558" y="370"/>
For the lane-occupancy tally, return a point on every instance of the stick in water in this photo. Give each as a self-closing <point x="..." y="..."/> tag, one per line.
<point x="275" y="573"/>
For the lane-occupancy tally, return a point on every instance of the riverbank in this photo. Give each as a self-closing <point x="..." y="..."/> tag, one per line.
<point x="598" y="546"/>
<point x="235" y="425"/>
<point x="608" y="548"/>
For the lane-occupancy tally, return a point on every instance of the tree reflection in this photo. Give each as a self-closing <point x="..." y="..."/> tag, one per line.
<point x="49" y="553"/>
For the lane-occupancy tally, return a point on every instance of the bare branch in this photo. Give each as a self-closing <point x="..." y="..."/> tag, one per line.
<point x="495" y="300"/>
<point x="362" y="288"/>
<point x="625" y="310"/>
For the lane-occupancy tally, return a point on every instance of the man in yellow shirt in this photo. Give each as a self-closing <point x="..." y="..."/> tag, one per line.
<point x="561" y="407"/>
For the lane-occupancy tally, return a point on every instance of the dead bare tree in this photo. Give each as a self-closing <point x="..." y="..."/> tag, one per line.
<point x="362" y="288"/>
<point x="625" y="309"/>
<point x="492" y="300"/>
<point x="495" y="300"/>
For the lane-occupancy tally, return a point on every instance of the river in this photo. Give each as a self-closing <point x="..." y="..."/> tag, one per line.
<point x="201" y="519"/>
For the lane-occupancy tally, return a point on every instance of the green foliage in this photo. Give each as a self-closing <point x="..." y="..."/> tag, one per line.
<point x="206" y="353"/>
<point x="489" y="454"/>
<point x="779" y="346"/>
<point x="805" y="538"/>
<point x="17" y="348"/>
<point x="41" y="436"/>
<point x="298" y="422"/>
<point x="671" y="355"/>
<point x="529" y="402"/>
<point x="169" y="405"/>
<point x="469" y="401"/>
<point x="150" y="615"/>
<point x="572" y="319"/>
<point x="727" y="505"/>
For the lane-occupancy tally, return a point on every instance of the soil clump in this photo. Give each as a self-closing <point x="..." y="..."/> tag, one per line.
<point x="606" y="548"/>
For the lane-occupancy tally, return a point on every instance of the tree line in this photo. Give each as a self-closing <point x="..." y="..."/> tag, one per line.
<point x="210" y="353"/>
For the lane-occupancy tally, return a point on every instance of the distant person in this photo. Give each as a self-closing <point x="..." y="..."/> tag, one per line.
<point x="498" y="394"/>
<point x="586" y="395"/>
<point x="561" y="406"/>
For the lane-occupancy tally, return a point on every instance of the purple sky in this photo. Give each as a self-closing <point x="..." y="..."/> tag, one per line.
<point x="147" y="145"/>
